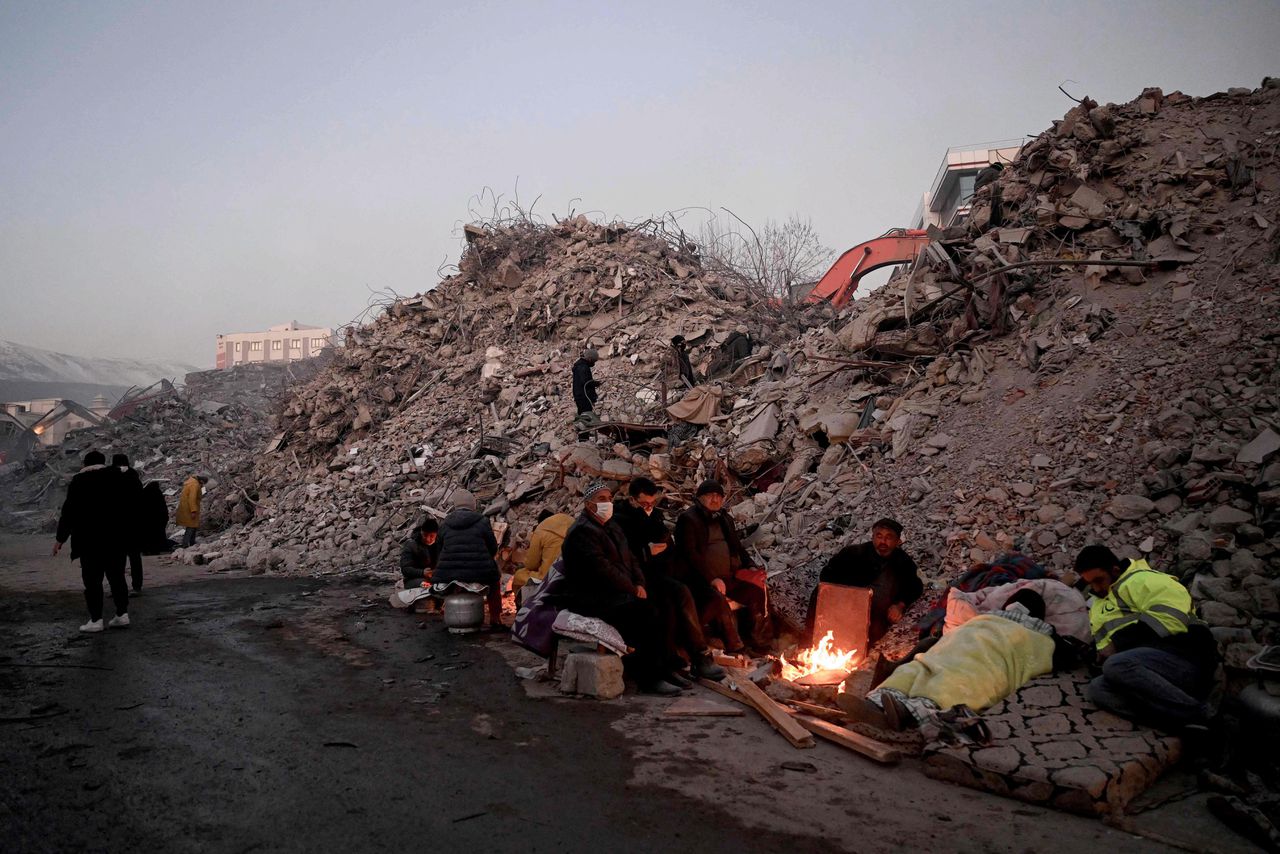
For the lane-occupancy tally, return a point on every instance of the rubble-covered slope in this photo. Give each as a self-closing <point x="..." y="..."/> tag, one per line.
<point x="988" y="398"/>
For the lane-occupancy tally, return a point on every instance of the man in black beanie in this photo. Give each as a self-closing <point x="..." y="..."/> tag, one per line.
<point x="710" y="559"/>
<point x="93" y="518"/>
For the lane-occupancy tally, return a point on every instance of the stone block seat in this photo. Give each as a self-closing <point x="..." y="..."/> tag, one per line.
<point x="1050" y="746"/>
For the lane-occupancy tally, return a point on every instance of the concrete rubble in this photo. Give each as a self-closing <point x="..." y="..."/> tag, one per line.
<point x="217" y="422"/>
<point x="1041" y="408"/>
<point x="1091" y="358"/>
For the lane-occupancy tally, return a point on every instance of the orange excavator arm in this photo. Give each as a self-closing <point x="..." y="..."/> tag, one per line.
<point x="895" y="246"/>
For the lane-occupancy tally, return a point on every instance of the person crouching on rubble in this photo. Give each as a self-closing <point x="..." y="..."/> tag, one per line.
<point x="881" y="565"/>
<point x="709" y="558"/>
<point x="466" y="557"/>
<point x="1159" y="660"/>
<point x="973" y="666"/>
<point x="603" y="580"/>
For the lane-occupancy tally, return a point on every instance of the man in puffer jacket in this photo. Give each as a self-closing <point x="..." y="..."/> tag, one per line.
<point x="467" y="549"/>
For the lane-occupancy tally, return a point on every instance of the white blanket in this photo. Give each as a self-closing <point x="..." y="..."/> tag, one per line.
<point x="1065" y="609"/>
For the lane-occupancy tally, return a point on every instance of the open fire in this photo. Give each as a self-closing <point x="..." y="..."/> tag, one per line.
<point x="823" y="658"/>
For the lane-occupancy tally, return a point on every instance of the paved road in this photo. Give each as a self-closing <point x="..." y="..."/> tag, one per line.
<point x="263" y="714"/>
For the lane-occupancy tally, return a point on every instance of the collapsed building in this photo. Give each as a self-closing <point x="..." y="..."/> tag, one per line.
<point x="1090" y="358"/>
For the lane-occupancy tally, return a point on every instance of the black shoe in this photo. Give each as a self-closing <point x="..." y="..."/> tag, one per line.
<point x="678" y="679"/>
<point x="705" y="667"/>
<point x="660" y="688"/>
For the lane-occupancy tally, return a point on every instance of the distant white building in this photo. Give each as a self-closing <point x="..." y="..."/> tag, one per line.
<point x="288" y="342"/>
<point x="947" y="202"/>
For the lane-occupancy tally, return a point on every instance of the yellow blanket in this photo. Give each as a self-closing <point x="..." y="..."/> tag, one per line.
<point x="977" y="663"/>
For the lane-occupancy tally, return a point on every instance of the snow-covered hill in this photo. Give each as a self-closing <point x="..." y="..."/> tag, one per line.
<point x="28" y="370"/>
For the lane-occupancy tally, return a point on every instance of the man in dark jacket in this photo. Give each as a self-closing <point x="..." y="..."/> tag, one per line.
<point x="603" y="579"/>
<point x="420" y="553"/>
<point x="93" y="518"/>
<point x="467" y="549"/>
<point x="640" y="519"/>
<point x="738" y="346"/>
<point x="710" y="558"/>
<point x="680" y="359"/>
<point x="881" y="565"/>
<point x="586" y="391"/>
<point x="134" y="517"/>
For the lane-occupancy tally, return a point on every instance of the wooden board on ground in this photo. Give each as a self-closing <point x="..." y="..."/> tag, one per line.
<point x="868" y="747"/>
<point x="777" y="716"/>
<point x="817" y="711"/>
<point x="846" y="613"/>
<point x="724" y="691"/>
<point x="692" y="707"/>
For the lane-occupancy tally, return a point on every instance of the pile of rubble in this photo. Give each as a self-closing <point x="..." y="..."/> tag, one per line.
<point x="469" y="385"/>
<point x="1091" y="358"/>
<point x="216" y="423"/>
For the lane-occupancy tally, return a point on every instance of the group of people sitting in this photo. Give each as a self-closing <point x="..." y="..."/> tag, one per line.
<point x="669" y="593"/>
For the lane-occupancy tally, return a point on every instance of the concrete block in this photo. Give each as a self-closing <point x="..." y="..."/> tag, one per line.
<point x="592" y="674"/>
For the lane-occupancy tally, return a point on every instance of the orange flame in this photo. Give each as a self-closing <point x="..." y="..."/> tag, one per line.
<point x="824" y="656"/>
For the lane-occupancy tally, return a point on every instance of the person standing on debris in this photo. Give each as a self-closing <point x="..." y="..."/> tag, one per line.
<point x="467" y="551"/>
<point x="604" y="580"/>
<point x="94" y="517"/>
<point x="133" y="526"/>
<point x="586" y="391"/>
<point x="881" y="565"/>
<point x="1158" y="658"/>
<point x="420" y="553"/>
<point x="188" y="515"/>
<point x="544" y="549"/>
<point x="738" y="346"/>
<point x="709" y="557"/>
<point x="680" y="361"/>
<point x="641" y="521"/>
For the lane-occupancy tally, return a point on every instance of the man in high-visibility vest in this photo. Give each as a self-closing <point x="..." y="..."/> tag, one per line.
<point x="1158" y="658"/>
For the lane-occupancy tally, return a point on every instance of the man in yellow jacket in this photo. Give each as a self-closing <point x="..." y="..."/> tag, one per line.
<point x="188" y="515"/>
<point x="544" y="548"/>
<point x="1158" y="658"/>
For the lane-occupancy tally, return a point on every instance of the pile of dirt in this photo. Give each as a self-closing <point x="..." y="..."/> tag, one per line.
<point x="1090" y="358"/>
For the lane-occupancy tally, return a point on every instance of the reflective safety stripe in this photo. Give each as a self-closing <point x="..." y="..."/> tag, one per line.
<point x="1185" y="619"/>
<point x="1155" y="625"/>
<point x="1111" y="626"/>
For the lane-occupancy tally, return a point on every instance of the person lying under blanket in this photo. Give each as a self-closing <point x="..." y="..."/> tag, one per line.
<point x="974" y="665"/>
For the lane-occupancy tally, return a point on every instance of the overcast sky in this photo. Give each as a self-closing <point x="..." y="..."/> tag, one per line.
<point x="172" y="170"/>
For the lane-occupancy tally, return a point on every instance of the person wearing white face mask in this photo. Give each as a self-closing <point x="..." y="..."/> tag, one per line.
<point x="603" y="579"/>
<point x="641" y="521"/>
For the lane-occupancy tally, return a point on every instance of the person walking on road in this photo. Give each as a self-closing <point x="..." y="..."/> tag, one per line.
<point x="93" y="518"/>
<point x="188" y="515"/>
<point x="133" y="517"/>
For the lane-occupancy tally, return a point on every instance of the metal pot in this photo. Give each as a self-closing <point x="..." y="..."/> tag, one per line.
<point x="463" y="612"/>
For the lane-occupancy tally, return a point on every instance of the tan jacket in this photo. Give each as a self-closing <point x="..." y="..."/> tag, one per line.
<point x="544" y="548"/>
<point x="188" y="515"/>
